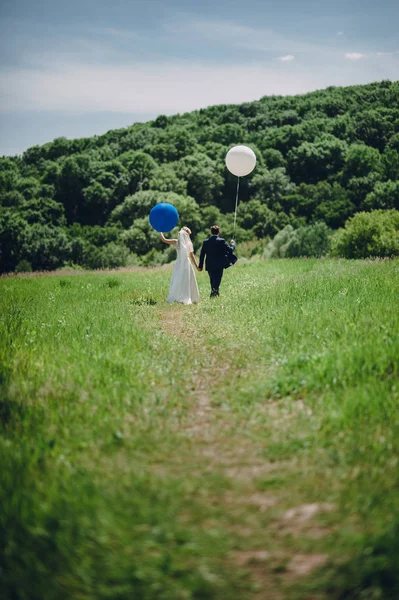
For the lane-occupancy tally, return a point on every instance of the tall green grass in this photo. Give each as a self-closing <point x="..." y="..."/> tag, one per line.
<point x="102" y="491"/>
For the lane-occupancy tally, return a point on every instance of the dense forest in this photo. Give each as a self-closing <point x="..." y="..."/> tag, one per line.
<point x="321" y="158"/>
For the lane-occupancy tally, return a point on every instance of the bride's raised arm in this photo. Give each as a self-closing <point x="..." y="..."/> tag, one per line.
<point x="163" y="238"/>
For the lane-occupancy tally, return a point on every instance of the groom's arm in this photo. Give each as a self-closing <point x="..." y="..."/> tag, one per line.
<point x="232" y="245"/>
<point x="202" y="257"/>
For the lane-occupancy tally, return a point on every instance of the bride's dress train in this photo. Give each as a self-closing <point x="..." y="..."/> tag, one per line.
<point x="183" y="287"/>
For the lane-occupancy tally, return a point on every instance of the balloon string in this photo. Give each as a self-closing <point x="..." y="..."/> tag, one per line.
<point x="235" y="212"/>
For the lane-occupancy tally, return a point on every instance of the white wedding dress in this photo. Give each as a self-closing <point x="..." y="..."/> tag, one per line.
<point x="183" y="287"/>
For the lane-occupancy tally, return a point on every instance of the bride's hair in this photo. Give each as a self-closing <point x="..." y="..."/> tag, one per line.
<point x="187" y="230"/>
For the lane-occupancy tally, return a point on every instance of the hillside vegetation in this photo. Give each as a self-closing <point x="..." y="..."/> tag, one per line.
<point x="321" y="157"/>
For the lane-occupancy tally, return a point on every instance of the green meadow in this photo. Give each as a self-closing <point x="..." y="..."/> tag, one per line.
<point x="243" y="448"/>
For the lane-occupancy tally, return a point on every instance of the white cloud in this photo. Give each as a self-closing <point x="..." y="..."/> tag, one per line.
<point x="354" y="56"/>
<point x="288" y="57"/>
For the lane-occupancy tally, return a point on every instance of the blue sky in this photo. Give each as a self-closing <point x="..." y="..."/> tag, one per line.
<point x="81" y="67"/>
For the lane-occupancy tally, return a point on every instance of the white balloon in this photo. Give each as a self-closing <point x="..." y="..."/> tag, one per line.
<point x="240" y="160"/>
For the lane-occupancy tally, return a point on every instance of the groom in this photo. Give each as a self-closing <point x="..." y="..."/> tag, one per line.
<point x="217" y="252"/>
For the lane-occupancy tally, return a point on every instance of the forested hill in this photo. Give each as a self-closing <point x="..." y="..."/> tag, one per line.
<point x="321" y="156"/>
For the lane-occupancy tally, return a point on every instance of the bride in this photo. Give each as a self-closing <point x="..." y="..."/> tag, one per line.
<point x="183" y="287"/>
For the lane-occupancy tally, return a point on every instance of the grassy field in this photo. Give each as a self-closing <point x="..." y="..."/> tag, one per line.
<point x="244" y="448"/>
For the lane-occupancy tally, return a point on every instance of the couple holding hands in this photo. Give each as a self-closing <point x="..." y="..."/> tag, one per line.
<point x="216" y="252"/>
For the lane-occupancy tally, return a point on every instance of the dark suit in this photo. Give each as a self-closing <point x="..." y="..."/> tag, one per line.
<point x="217" y="252"/>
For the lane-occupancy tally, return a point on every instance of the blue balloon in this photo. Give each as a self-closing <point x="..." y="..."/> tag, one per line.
<point x="163" y="217"/>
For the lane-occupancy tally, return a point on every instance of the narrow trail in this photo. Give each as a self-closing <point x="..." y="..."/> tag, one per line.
<point x="200" y="401"/>
<point x="256" y="517"/>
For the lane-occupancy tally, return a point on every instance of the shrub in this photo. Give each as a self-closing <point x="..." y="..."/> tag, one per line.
<point x="251" y="248"/>
<point x="276" y="247"/>
<point x="24" y="266"/>
<point x="112" y="282"/>
<point x="115" y="255"/>
<point x="110" y="257"/>
<point x="45" y="247"/>
<point x="311" y="240"/>
<point x="368" y="235"/>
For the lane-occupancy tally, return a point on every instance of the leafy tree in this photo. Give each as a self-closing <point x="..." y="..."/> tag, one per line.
<point x="385" y="195"/>
<point x="276" y="247"/>
<point x="110" y="256"/>
<point x="96" y="203"/>
<point x="136" y="206"/>
<point x="335" y="208"/>
<point x="311" y="240"/>
<point x="211" y="215"/>
<point x="229" y="134"/>
<point x="368" y="234"/>
<point x="232" y="114"/>
<point x="107" y="179"/>
<point x="374" y="129"/>
<point x="138" y="137"/>
<point x="44" y="211"/>
<point x="273" y="158"/>
<point x="204" y="181"/>
<point x="45" y="247"/>
<point x="312" y="162"/>
<point x="390" y="163"/>
<point x="34" y="155"/>
<point x="343" y="128"/>
<point x="161" y="121"/>
<point x="29" y="187"/>
<point x="59" y="147"/>
<point x="361" y="160"/>
<point x="259" y="123"/>
<point x="73" y="179"/>
<point x="312" y="129"/>
<point x="289" y="117"/>
<point x="393" y="143"/>
<point x="9" y="175"/>
<point x="257" y="217"/>
<point x="12" y="199"/>
<point x="188" y="209"/>
<point x="359" y="187"/>
<point x="141" y="167"/>
<point x="165" y="179"/>
<point x="97" y="235"/>
<point x="283" y="138"/>
<point x="179" y="143"/>
<point x="140" y="238"/>
<point x="51" y="173"/>
<point x="12" y="232"/>
<point x="334" y="105"/>
<point x="89" y="245"/>
<point x="47" y="191"/>
<point x="216" y="152"/>
<point x="271" y="186"/>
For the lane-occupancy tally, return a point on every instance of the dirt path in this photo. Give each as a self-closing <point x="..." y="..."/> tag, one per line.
<point x="259" y="519"/>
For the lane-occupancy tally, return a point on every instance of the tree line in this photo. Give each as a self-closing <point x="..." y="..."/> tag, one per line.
<point x="322" y="157"/>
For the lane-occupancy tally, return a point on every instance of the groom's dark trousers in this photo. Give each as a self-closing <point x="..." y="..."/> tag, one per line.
<point x="214" y="251"/>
